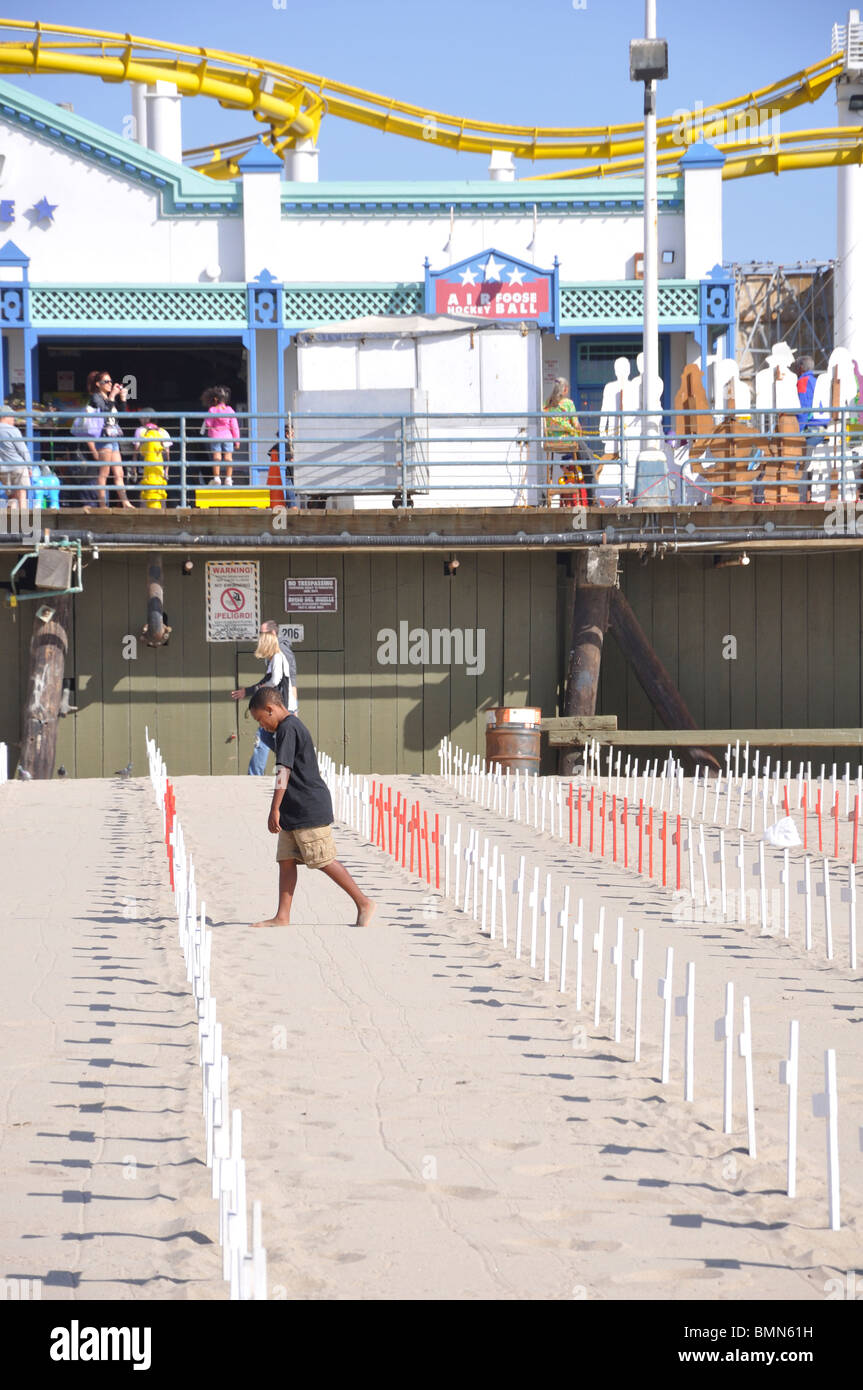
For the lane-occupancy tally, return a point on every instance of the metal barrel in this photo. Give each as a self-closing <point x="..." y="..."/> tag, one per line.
<point x="513" y="746"/>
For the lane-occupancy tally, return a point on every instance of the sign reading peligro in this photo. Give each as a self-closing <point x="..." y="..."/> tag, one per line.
<point x="233" y="604"/>
<point x="311" y="596"/>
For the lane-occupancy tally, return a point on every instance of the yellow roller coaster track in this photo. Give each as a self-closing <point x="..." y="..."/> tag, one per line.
<point x="292" y="103"/>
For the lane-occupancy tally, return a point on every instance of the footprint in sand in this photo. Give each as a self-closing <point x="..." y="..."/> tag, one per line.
<point x="510" y="1146"/>
<point x="469" y="1194"/>
<point x="665" y="1276"/>
<point x="544" y="1170"/>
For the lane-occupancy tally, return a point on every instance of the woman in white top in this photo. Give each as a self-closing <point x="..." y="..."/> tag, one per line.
<point x="281" y="673"/>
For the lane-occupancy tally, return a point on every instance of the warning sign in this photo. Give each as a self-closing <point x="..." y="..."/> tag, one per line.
<point x="311" y="596"/>
<point x="233" y="609"/>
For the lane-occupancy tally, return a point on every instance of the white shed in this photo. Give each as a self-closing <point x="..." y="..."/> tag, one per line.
<point x="413" y="388"/>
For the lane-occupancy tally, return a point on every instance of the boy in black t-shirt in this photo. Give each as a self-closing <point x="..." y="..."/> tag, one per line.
<point x="301" y="813"/>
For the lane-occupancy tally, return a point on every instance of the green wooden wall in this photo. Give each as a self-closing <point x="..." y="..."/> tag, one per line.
<point x="374" y="717"/>
<point x="797" y="621"/>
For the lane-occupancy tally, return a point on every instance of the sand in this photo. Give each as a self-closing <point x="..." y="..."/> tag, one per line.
<point x="104" y="1192"/>
<point x="424" y="1117"/>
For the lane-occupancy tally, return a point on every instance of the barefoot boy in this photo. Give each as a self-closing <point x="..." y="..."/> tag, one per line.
<point x="301" y="813"/>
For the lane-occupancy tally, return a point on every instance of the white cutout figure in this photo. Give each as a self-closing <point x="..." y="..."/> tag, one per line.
<point x="826" y="459"/>
<point x="772" y="393"/>
<point x="635" y="399"/>
<point x="612" y="399"/>
<point x="610" y="428"/>
<point x="725" y="379"/>
<point x="842" y="364"/>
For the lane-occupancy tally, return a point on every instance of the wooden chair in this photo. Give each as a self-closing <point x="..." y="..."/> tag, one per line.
<point x="555" y="445"/>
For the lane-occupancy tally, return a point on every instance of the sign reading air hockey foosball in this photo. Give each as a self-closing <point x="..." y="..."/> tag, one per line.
<point x="495" y="287"/>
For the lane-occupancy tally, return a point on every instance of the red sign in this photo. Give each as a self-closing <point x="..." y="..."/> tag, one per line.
<point x="492" y="299"/>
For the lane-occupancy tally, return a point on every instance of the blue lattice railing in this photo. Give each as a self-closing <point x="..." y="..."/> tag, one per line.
<point x="199" y="306"/>
<point x="225" y="306"/>
<point x="624" y="303"/>
<point x="330" y="303"/>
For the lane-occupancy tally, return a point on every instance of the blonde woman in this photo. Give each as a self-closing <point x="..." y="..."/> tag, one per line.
<point x="281" y="673"/>
<point x="564" y="424"/>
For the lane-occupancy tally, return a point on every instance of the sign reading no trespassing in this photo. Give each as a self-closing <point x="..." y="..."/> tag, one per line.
<point x="311" y="596"/>
<point x="233" y="607"/>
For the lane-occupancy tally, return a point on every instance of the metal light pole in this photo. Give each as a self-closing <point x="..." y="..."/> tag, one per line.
<point x="848" y="274"/>
<point x="651" y="246"/>
<point x="648" y="63"/>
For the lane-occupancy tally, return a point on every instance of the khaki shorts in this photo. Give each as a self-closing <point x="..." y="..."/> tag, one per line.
<point x="315" y="848"/>
<point x="14" y="477"/>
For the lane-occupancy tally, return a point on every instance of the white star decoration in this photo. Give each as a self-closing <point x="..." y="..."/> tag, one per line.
<point x="492" y="268"/>
<point x="468" y="277"/>
<point x="516" y="276"/>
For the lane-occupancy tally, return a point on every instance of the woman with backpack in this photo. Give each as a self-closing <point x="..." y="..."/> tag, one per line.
<point x="104" y="433"/>
<point x="281" y="672"/>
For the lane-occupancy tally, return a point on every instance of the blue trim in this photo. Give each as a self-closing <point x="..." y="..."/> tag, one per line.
<point x="584" y="197"/>
<point x="665" y="369"/>
<point x="589" y="329"/>
<point x="265" y="302"/>
<point x="94" y="143"/>
<point x="701" y="155"/>
<point x="96" y="330"/>
<point x="31" y="382"/>
<point x="260" y="159"/>
<point x="249" y="343"/>
<point x="10" y="254"/>
<point x="731" y="341"/>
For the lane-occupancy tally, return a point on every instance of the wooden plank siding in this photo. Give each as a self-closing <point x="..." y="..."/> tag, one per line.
<point x="796" y="620"/>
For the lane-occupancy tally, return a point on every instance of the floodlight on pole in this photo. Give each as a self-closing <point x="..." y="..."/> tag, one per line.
<point x="648" y="63"/>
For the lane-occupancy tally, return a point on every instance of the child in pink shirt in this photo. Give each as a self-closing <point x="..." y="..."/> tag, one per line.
<point x="221" y="429"/>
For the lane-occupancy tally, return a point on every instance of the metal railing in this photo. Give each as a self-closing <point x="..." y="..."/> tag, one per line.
<point x="751" y="457"/>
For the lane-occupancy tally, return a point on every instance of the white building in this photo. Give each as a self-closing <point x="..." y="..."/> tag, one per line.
<point x="115" y="256"/>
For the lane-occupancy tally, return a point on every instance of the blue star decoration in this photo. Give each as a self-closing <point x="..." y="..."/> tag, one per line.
<point x="44" y="210"/>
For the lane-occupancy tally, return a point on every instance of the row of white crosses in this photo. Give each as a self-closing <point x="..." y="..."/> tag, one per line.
<point x="244" y="1260"/>
<point x="723" y="799"/>
<point x="546" y="804"/>
<point x="519" y="914"/>
<point x="350" y="795"/>
<point x="663" y="782"/>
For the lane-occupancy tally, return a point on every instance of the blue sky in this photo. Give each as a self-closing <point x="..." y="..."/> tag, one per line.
<point x="553" y="62"/>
